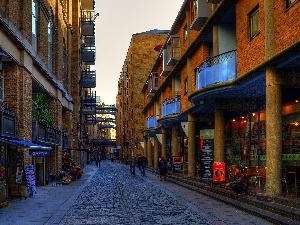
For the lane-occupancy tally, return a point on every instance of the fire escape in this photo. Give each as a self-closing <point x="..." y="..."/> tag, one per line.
<point x="93" y="112"/>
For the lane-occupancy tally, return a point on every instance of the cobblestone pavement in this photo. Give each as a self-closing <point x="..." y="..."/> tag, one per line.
<point x="110" y="195"/>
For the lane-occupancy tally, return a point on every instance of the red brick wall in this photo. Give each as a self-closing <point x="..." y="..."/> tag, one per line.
<point x="287" y="25"/>
<point x="248" y="49"/>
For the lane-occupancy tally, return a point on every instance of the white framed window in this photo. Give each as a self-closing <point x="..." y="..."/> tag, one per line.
<point x="50" y="43"/>
<point x="174" y="50"/>
<point x="34" y="27"/>
<point x="254" y="22"/>
<point x="194" y="10"/>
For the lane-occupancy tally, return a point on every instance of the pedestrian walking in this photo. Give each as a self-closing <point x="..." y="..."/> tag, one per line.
<point x="162" y="169"/>
<point x="143" y="163"/>
<point x="132" y="164"/>
<point x="98" y="160"/>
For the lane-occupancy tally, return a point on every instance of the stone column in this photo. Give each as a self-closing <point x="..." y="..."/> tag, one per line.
<point x="174" y="141"/>
<point x="219" y="138"/>
<point x="273" y="134"/>
<point x="191" y="144"/>
<point x="149" y="152"/>
<point x="145" y="146"/>
<point x="155" y="157"/>
<point x="163" y="143"/>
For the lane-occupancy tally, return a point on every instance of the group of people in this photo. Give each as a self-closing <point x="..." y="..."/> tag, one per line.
<point x="141" y="162"/>
<point x="97" y="159"/>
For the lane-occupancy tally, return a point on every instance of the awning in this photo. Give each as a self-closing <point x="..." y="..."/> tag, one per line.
<point x="76" y="149"/>
<point x="28" y="144"/>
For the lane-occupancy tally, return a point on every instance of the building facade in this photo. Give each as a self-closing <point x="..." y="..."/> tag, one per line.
<point x="42" y="59"/>
<point x="129" y="119"/>
<point x="227" y="92"/>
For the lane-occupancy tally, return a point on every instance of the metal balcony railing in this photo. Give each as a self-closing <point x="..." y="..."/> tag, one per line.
<point x="217" y="69"/>
<point x="171" y="106"/>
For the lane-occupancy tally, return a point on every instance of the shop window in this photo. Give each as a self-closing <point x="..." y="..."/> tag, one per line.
<point x="254" y="22"/>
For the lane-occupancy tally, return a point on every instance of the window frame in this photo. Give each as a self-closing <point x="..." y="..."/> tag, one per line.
<point x="34" y="28"/>
<point x="1" y="87"/>
<point x="254" y="14"/>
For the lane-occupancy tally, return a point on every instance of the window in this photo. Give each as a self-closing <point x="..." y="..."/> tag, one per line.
<point x="185" y="32"/>
<point x="1" y="87"/>
<point x="175" y="47"/>
<point x="34" y="24"/>
<point x="194" y="10"/>
<point x="186" y="85"/>
<point x="50" y="43"/>
<point x="254" y="22"/>
<point x="289" y="3"/>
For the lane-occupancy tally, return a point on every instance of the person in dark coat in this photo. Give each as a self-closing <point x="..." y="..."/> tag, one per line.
<point x="162" y="169"/>
<point x="239" y="185"/>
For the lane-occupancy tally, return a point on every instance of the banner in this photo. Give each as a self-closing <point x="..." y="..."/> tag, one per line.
<point x="159" y="137"/>
<point x="185" y="126"/>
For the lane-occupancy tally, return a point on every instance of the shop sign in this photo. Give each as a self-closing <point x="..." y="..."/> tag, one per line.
<point x="177" y="160"/>
<point x="39" y="152"/>
<point x="219" y="172"/>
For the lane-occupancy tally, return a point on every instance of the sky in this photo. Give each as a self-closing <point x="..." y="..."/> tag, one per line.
<point x="117" y="21"/>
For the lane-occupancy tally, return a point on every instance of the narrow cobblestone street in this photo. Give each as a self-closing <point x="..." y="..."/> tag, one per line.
<point x="110" y="195"/>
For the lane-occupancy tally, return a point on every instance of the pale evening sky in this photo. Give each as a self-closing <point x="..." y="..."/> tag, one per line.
<point x="117" y="21"/>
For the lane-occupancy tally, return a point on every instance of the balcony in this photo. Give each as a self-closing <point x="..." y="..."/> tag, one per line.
<point x="7" y="123"/>
<point x="88" y="110"/>
<point x="173" y="50"/>
<point x="38" y="132"/>
<point x="199" y="13"/>
<point x="171" y="107"/>
<point x="88" y="22"/>
<point x="88" y="4"/>
<point x="218" y="69"/>
<point x="88" y="79"/>
<point x="105" y="126"/>
<point x="89" y="98"/>
<point x="104" y="142"/>
<point x="89" y="120"/>
<point x="153" y="82"/>
<point x="88" y="55"/>
<point x="43" y="134"/>
<point x="165" y="68"/>
<point x="152" y="122"/>
<point x="213" y="1"/>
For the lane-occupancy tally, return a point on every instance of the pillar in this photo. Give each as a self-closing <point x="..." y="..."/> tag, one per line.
<point x="273" y="134"/>
<point x="191" y="144"/>
<point x="155" y="153"/>
<point x="174" y="141"/>
<point x="163" y="143"/>
<point x="149" y="152"/>
<point x="219" y="139"/>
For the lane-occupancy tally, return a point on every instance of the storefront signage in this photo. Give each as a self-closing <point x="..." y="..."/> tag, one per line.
<point x="206" y="154"/>
<point x="30" y="180"/>
<point x="177" y="160"/>
<point x="39" y="152"/>
<point x="219" y="172"/>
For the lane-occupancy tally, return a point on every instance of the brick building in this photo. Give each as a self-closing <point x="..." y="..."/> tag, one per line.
<point x="228" y="92"/>
<point x="43" y="45"/>
<point x="129" y="119"/>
